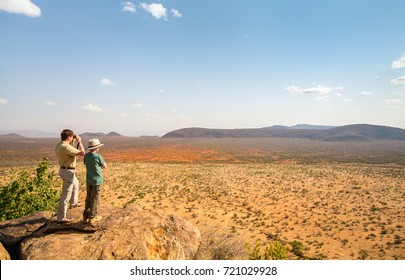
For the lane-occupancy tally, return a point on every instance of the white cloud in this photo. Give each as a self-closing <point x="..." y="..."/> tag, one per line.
<point x="137" y="105"/>
<point x="49" y="103"/>
<point x="93" y="108"/>
<point x="347" y="100"/>
<point x="321" y="93"/>
<point x="156" y="10"/>
<point x="365" y="93"/>
<point x="25" y="7"/>
<point x="3" y="101"/>
<point x="399" y="80"/>
<point x="399" y="63"/>
<point x="393" y="103"/>
<point x="317" y="90"/>
<point x="176" y="13"/>
<point x="128" y="7"/>
<point x="107" y="82"/>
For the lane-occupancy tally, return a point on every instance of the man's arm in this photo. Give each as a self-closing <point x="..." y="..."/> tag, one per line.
<point x="80" y="145"/>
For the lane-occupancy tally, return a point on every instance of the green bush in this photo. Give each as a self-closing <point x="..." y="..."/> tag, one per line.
<point x="29" y="194"/>
<point x="273" y="251"/>
<point x="297" y="249"/>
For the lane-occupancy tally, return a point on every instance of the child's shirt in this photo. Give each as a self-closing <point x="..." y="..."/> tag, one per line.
<point x="94" y="163"/>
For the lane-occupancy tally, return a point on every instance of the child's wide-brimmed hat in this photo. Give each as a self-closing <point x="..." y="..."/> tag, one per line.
<point x="94" y="144"/>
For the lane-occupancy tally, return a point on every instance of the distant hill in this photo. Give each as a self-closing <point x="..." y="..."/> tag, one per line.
<point x="357" y="132"/>
<point x="114" y="134"/>
<point x="31" y="133"/>
<point x="99" y="134"/>
<point x="43" y="134"/>
<point x="362" y="132"/>
<point x="92" y="134"/>
<point x="12" y="135"/>
<point x="265" y="132"/>
<point x="310" y="126"/>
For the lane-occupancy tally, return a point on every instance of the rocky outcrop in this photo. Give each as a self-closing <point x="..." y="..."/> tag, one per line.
<point x="4" y="255"/>
<point x="123" y="234"/>
<point x="12" y="232"/>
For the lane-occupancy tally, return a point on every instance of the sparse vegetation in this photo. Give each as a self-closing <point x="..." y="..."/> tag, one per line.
<point x="320" y="200"/>
<point x="29" y="194"/>
<point x="218" y="246"/>
<point x="274" y="250"/>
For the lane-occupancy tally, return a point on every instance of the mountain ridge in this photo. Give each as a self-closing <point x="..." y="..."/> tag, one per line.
<point x="44" y="134"/>
<point x="354" y="132"/>
<point x="100" y="134"/>
<point x="30" y="133"/>
<point x="12" y="135"/>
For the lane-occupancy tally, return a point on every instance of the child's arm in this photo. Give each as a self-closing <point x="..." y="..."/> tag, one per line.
<point x="102" y="162"/>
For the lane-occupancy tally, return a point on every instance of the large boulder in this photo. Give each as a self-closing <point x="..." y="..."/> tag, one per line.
<point x="14" y="231"/>
<point x="123" y="234"/>
<point x="4" y="255"/>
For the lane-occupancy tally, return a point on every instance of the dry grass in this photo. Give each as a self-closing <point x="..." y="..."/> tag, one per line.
<point x="328" y="210"/>
<point x="335" y="211"/>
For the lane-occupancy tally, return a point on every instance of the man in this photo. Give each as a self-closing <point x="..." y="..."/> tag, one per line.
<point x="66" y="154"/>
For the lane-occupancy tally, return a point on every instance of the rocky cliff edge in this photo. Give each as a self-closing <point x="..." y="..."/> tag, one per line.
<point x="131" y="233"/>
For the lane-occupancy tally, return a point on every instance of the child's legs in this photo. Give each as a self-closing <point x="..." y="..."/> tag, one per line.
<point x="94" y="200"/>
<point x="87" y="205"/>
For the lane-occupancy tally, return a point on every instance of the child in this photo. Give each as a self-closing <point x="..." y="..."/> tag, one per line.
<point x="94" y="179"/>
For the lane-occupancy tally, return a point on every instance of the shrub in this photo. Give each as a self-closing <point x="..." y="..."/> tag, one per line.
<point x="273" y="251"/>
<point x="215" y="246"/>
<point x="29" y="194"/>
<point x="297" y="249"/>
<point x="363" y="254"/>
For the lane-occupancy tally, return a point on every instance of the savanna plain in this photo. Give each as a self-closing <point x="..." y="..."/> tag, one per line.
<point x="322" y="200"/>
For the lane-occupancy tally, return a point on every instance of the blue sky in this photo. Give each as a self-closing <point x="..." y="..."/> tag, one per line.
<point x="149" y="67"/>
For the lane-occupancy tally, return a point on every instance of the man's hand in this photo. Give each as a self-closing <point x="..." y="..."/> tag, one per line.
<point x="80" y="145"/>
